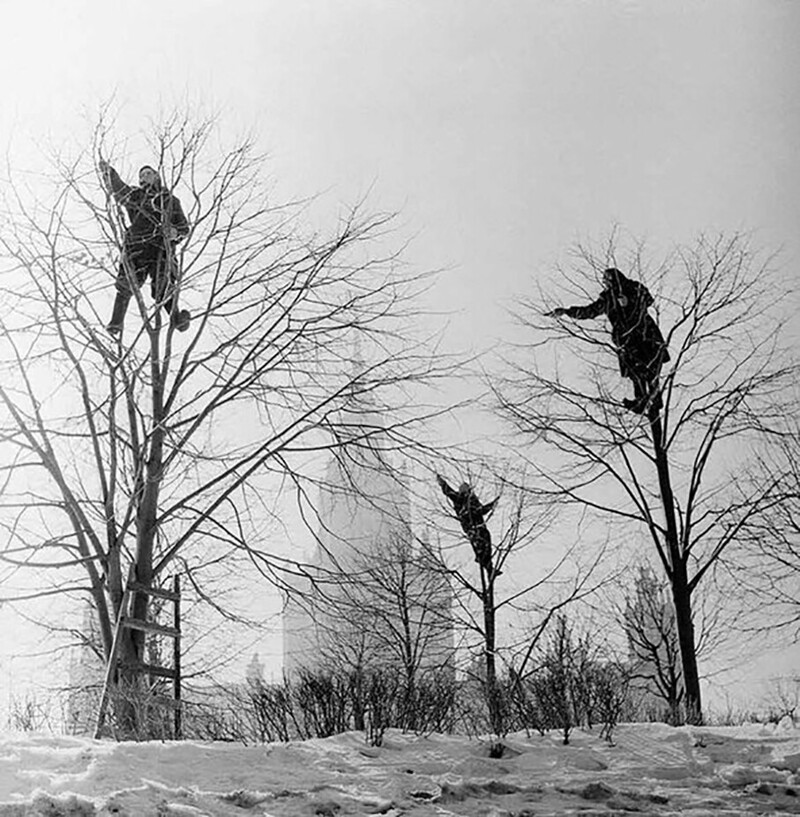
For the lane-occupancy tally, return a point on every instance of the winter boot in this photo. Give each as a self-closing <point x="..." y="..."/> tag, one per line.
<point x="118" y="314"/>
<point x="181" y="319"/>
<point x="637" y="405"/>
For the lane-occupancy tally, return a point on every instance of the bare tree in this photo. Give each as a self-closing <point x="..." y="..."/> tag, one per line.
<point x="396" y="604"/>
<point x="674" y="470"/>
<point x="480" y="603"/>
<point x="769" y="567"/>
<point x="140" y="450"/>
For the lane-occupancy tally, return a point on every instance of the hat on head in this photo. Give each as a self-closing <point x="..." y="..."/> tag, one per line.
<point x="615" y="275"/>
<point x="152" y="170"/>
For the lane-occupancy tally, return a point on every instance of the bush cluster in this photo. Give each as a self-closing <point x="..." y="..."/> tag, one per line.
<point x="324" y="703"/>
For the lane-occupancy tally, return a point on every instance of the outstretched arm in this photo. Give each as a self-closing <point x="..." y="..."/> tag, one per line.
<point x="446" y="489"/>
<point x="113" y="182"/>
<point x="487" y="509"/>
<point x="581" y="313"/>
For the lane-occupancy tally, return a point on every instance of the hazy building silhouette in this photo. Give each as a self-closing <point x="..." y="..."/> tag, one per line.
<point x="653" y="649"/>
<point x="369" y="598"/>
<point x="86" y="672"/>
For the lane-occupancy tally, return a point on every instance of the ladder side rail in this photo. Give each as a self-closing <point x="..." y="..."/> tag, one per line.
<point x="112" y="656"/>
<point x="176" y="657"/>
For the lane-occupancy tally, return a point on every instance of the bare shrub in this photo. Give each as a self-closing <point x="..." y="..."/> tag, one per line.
<point x="30" y="713"/>
<point x="784" y="700"/>
<point x="575" y="684"/>
<point x="141" y="711"/>
<point x="612" y="686"/>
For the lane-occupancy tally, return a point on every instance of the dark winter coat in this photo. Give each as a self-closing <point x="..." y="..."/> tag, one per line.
<point x="151" y="210"/>
<point x="641" y="348"/>
<point x="471" y="514"/>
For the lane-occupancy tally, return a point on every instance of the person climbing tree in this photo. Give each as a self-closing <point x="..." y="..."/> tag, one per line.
<point x="472" y="515"/>
<point x="157" y="224"/>
<point x="641" y="348"/>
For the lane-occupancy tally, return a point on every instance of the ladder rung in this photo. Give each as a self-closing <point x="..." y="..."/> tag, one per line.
<point x="150" y="627"/>
<point x="154" y="591"/>
<point x="150" y="669"/>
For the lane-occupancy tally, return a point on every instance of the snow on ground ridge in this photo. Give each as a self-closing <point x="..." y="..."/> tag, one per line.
<point x="651" y="769"/>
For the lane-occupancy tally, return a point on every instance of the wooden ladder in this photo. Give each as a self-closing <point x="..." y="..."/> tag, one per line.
<point x="126" y="621"/>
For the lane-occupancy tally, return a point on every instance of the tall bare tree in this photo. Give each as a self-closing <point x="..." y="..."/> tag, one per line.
<point x="674" y="470"/>
<point x="491" y="607"/>
<point x="136" y="451"/>
<point x="770" y="565"/>
<point x="390" y="610"/>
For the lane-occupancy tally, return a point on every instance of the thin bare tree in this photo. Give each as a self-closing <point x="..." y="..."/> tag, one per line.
<point x="673" y="471"/>
<point x="134" y="451"/>
<point x="389" y="611"/>
<point x="492" y="609"/>
<point x="769" y="565"/>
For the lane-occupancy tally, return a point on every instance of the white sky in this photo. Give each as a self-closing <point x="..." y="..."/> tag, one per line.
<point x="502" y="130"/>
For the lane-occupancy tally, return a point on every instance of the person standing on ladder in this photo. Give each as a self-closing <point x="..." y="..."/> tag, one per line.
<point x="157" y="225"/>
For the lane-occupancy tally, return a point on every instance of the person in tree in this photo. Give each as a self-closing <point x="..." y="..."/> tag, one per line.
<point x="472" y="516"/>
<point x="641" y="348"/>
<point x="156" y="225"/>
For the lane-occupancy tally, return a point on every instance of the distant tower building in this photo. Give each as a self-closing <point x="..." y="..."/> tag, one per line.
<point x="254" y="674"/>
<point x="366" y="585"/>
<point x="653" y="648"/>
<point x="86" y="672"/>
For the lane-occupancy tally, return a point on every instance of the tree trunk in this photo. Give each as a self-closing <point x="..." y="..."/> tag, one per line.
<point x="678" y="578"/>
<point x="682" y="599"/>
<point x="410" y="716"/>
<point x="495" y="705"/>
<point x="132" y="641"/>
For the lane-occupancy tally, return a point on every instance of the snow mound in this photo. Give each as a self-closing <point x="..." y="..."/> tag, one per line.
<point x="650" y="769"/>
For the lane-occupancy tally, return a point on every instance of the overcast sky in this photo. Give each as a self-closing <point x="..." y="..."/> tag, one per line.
<point x="501" y="130"/>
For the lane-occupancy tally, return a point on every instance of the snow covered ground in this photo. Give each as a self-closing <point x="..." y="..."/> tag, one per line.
<point x="651" y="769"/>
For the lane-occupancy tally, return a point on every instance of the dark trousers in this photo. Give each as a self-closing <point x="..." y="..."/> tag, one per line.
<point x="481" y="541"/>
<point x="645" y="389"/>
<point x="139" y="262"/>
<point x="641" y="359"/>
